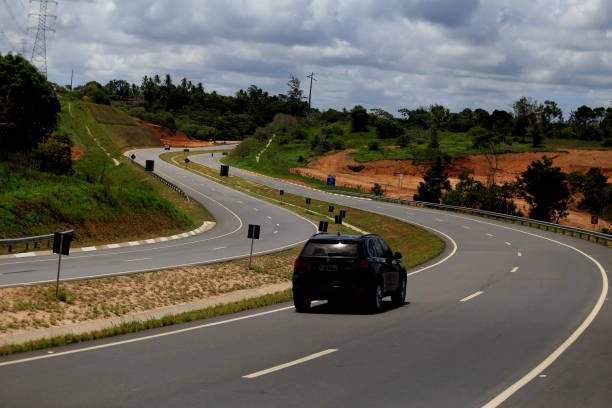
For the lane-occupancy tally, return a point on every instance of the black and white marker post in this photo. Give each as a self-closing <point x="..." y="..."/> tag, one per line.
<point x="253" y="234"/>
<point x="282" y="193"/>
<point x="61" y="246"/>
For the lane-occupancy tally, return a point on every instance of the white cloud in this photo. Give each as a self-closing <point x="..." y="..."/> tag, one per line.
<point x="392" y="54"/>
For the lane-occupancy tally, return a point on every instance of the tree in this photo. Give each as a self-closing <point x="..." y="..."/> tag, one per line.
<point x="28" y="106"/>
<point x="434" y="181"/>
<point x="359" y="119"/>
<point x="489" y="143"/>
<point x="295" y="96"/>
<point x="545" y="189"/>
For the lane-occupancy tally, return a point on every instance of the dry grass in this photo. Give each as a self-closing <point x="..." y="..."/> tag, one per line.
<point x="32" y="307"/>
<point x="109" y="115"/>
<point x="126" y="136"/>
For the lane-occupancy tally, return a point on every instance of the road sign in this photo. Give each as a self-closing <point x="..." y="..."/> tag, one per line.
<point x="149" y="165"/>
<point x="61" y="242"/>
<point x="282" y="192"/>
<point x="330" y="208"/>
<point x="253" y="234"/>
<point x="343" y="213"/>
<point x="331" y="180"/>
<point x="185" y="150"/>
<point x="224" y="170"/>
<point x="308" y="201"/>
<point x="338" y="219"/>
<point x="133" y="156"/>
<point x="61" y="246"/>
<point x="323" y="226"/>
<point x="253" y="231"/>
<point x="186" y="160"/>
<point x="594" y="219"/>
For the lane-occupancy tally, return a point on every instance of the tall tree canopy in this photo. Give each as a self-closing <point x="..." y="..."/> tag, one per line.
<point x="545" y="188"/>
<point x="28" y="105"/>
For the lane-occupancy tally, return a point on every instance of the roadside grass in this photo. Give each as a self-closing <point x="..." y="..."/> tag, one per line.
<point x="136" y="326"/>
<point x="35" y="307"/>
<point x="27" y="308"/>
<point x="416" y="244"/>
<point x="131" y="136"/>
<point x="102" y="202"/>
<point x="109" y="115"/>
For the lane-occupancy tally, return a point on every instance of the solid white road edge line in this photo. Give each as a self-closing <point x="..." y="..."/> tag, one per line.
<point x="472" y="296"/>
<point x="291" y="363"/>
<point x="514" y="269"/>
<point x="135" y="340"/>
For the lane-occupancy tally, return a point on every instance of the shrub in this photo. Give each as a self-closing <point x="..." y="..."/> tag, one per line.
<point x="299" y="134"/>
<point x="374" y="145"/>
<point x="98" y="96"/>
<point x="377" y="190"/>
<point x="53" y="156"/>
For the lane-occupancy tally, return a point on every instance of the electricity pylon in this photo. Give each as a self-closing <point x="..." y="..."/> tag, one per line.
<point x="39" y="51"/>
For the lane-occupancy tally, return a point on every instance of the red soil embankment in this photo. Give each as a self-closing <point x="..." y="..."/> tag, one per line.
<point x="387" y="172"/>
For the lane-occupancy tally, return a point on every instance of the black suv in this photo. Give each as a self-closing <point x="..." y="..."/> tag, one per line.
<point x="346" y="267"/>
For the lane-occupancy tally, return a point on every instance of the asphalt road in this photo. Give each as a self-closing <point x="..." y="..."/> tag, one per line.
<point x="506" y="315"/>
<point x="233" y="212"/>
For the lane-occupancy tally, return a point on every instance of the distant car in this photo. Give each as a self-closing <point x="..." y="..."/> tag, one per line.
<point x="348" y="267"/>
<point x="166" y="147"/>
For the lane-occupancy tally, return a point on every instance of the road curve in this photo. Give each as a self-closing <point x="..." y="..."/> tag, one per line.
<point x="500" y="305"/>
<point x="232" y="210"/>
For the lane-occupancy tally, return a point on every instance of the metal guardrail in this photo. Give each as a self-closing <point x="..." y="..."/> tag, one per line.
<point x="574" y="230"/>
<point x="49" y="237"/>
<point x="10" y="242"/>
<point x="163" y="180"/>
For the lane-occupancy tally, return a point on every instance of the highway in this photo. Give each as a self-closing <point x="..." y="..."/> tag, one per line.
<point x="507" y="316"/>
<point x="232" y="210"/>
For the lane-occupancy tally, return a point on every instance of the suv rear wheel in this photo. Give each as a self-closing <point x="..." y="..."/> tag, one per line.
<point x="301" y="303"/>
<point x="376" y="298"/>
<point x="399" y="296"/>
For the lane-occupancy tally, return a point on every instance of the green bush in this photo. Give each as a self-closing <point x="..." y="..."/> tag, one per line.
<point x="54" y="157"/>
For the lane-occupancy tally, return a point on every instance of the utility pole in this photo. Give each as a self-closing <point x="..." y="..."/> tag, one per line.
<point x="39" y="51"/>
<point x="311" y="76"/>
<point x="71" y="76"/>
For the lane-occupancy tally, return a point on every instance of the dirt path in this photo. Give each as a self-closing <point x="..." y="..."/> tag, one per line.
<point x="264" y="149"/>
<point x="387" y="172"/>
<point x="101" y="147"/>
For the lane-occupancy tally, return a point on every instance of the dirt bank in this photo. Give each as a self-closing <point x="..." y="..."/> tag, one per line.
<point x="178" y="138"/>
<point x="387" y="172"/>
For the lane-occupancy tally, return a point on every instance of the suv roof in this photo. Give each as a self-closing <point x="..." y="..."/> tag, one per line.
<point x="335" y="237"/>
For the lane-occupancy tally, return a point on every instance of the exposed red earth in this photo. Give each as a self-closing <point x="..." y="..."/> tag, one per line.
<point x="178" y="138"/>
<point x="387" y="173"/>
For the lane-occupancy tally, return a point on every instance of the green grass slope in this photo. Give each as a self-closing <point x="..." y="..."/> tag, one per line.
<point x="102" y="202"/>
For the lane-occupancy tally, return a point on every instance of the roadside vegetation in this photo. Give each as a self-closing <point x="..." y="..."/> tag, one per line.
<point x="416" y="244"/>
<point x="100" y="195"/>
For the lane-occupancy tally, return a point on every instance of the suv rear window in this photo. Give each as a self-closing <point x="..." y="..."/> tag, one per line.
<point x="327" y="248"/>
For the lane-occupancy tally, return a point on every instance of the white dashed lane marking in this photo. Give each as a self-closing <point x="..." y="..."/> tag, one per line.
<point x="472" y="296"/>
<point x="514" y="269"/>
<point x="291" y="363"/>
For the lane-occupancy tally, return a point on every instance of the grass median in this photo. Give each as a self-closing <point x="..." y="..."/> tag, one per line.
<point x="35" y="307"/>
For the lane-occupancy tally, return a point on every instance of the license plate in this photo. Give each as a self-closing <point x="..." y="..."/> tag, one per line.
<point x="328" y="268"/>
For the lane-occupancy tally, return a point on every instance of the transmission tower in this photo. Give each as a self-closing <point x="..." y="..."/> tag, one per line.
<point x="39" y="51"/>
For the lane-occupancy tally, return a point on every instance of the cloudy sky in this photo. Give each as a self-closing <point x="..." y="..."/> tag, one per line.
<point x="378" y="53"/>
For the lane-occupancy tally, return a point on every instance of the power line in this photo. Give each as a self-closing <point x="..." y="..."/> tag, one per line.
<point x="8" y="40"/>
<point x="19" y="28"/>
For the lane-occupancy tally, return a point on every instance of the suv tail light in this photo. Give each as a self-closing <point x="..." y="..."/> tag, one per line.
<point x="299" y="262"/>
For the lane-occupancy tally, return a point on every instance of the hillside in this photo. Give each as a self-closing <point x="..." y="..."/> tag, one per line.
<point x="310" y="150"/>
<point x="107" y="199"/>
